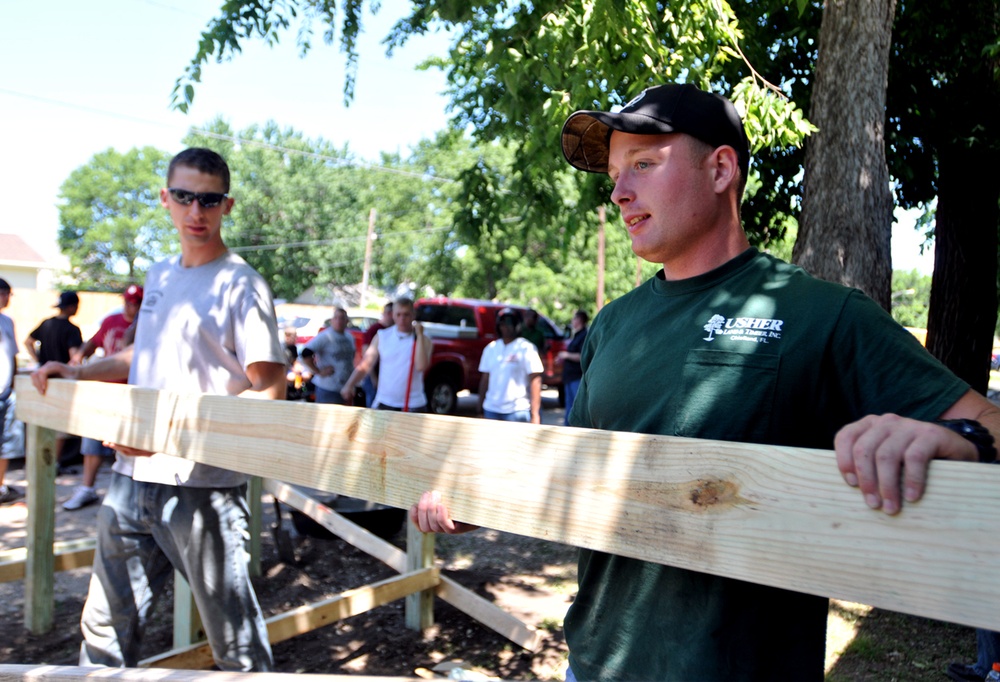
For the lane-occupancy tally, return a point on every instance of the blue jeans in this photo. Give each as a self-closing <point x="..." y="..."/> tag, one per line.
<point x="91" y="446"/>
<point x="325" y="397"/>
<point x="11" y="431"/>
<point x="570" y="387"/>
<point x="987" y="651"/>
<point x="519" y="416"/>
<point x="368" y="386"/>
<point x="144" y="530"/>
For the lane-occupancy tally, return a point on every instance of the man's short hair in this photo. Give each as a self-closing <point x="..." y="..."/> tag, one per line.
<point x="202" y="160"/>
<point x="4" y="285"/>
<point x="404" y="301"/>
<point x="582" y="314"/>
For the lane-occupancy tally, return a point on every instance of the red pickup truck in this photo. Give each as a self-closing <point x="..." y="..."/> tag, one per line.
<point x="461" y="328"/>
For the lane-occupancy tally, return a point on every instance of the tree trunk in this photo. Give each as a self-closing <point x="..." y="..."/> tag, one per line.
<point x="846" y="225"/>
<point x="963" y="311"/>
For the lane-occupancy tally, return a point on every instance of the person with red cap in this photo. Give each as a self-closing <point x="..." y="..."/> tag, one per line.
<point x="111" y="337"/>
<point x="729" y="343"/>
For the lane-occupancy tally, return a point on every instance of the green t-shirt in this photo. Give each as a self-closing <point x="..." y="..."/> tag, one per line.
<point x="755" y="351"/>
<point x="536" y="336"/>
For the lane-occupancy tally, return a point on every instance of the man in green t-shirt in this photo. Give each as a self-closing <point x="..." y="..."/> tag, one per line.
<point x="748" y="349"/>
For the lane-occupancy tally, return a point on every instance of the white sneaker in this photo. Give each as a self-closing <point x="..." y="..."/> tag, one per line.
<point x="82" y="496"/>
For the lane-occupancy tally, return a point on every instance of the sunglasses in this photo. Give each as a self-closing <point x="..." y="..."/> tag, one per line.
<point x="205" y="199"/>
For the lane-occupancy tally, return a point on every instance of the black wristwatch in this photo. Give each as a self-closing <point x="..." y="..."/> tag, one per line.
<point x="975" y="433"/>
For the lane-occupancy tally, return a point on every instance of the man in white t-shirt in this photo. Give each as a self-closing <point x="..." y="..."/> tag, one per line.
<point x="330" y="357"/>
<point x="510" y="385"/>
<point x="403" y="352"/>
<point x="207" y="326"/>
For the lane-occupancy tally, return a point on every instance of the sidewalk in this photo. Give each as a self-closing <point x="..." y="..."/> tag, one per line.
<point x="70" y="525"/>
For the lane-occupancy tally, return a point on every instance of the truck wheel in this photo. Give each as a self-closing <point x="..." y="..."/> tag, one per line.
<point x="442" y="396"/>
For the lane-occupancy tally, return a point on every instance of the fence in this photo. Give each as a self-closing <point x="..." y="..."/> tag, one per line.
<point x="773" y="515"/>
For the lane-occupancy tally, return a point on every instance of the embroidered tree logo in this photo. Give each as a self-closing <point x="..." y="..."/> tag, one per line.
<point x="714" y="325"/>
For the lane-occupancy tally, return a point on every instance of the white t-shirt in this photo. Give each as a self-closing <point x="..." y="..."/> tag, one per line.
<point x="199" y="329"/>
<point x="395" y="351"/>
<point x="332" y="349"/>
<point x="509" y="365"/>
<point x="8" y="355"/>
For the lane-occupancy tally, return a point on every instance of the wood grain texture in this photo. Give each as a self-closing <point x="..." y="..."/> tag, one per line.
<point x="773" y="515"/>
<point x="59" y="673"/>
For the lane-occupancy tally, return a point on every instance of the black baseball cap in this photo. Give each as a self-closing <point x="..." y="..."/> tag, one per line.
<point x="67" y="299"/>
<point x="672" y="108"/>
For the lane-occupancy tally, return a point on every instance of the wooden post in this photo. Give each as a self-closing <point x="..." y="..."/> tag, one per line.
<point x="368" y="257"/>
<point x="601" y="219"/>
<point x="187" y="621"/>
<point x="40" y="460"/>
<point x="419" y="555"/>
<point x="256" y="519"/>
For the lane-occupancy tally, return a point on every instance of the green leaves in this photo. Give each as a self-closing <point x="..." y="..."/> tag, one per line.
<point x="111" y="224"/>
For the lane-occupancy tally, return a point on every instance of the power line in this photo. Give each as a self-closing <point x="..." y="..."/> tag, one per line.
<point x="320" y="157"/>
<point x="323" y="242"/>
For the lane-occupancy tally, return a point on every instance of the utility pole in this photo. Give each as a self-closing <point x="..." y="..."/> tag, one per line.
<point x="601" y="216"/>
<point x="368" y="257"/>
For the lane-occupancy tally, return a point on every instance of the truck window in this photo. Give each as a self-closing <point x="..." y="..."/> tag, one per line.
<point x="447" y="314"/>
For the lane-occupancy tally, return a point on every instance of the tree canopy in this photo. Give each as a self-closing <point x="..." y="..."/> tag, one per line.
<point x="111" y="224"/>
<point x="516" y="70"/>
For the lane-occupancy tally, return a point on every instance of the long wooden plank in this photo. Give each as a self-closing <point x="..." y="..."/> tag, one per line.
<point x="467" y="601"/>
<point x="772" y="515"/>
<point x="57" y="673"/>
<point x="310" y="617"/>
<point x="68" y="555"/>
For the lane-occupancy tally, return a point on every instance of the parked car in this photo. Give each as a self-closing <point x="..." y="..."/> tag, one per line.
<point x="461" y="328"/>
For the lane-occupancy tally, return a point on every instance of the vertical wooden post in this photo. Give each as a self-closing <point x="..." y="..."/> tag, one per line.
<point x="602" y="218"/>
<point x="39" y="577"/>
<point x="419" y="554"/>
<point x="187" y="622"/>
<point x="254" y="490"/>
<point x="368" y="257"/>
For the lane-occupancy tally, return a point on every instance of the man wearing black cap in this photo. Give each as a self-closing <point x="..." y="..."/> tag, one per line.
<point x="58" y="339"/>
<point x="510" y="380"/>
<point x="748" y="349"/>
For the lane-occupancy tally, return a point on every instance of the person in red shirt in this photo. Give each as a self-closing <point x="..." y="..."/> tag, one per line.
<point x="111" y="337"/>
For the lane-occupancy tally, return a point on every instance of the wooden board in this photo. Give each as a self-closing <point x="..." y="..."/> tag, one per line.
<point x="465" y="600"/>
<point x="309" y="617"/>
<point x="57" y="673"/>
<point x="777" y="516"/>
<point x="67" y="556"/>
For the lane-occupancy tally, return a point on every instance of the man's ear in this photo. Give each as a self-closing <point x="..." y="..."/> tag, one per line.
<point x="725" y="168"/>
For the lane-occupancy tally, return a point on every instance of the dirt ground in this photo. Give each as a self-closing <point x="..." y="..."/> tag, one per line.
<point x="533" y="579"/>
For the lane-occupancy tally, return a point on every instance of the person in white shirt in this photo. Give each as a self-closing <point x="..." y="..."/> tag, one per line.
<point x="510" y="385"/>
<point x="330" y="357"/>
<point x="207" y="326"/>
<point x="403" y="352"/>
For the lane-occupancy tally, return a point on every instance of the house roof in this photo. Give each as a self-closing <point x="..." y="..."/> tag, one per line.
<point x="15" y="251"/>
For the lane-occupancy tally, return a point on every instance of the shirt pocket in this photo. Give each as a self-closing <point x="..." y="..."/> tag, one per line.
<point x="726" y="395"/>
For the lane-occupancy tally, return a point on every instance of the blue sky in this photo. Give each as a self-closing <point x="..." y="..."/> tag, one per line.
<point x="80" y="77"/>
